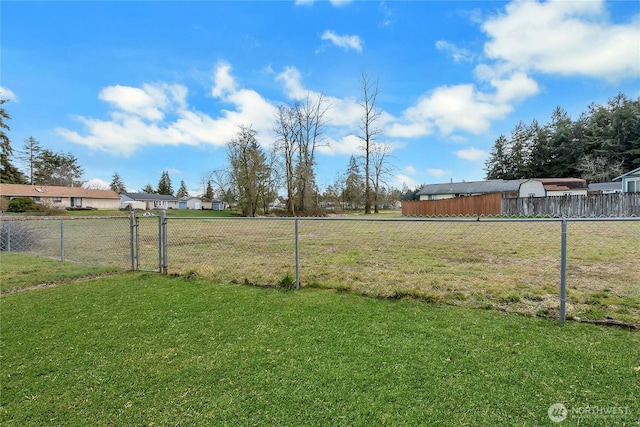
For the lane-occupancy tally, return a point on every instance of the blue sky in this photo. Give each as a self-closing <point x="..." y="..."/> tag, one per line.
<point x="142" y="87"/>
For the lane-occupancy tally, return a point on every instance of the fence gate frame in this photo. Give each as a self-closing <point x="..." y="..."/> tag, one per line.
<point x="134" y="240"/>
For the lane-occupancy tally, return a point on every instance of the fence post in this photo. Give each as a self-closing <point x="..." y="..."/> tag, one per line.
<point x="297" y="250"/>
<point x="162" y="242"/>
<point x="131" y="238"/>
<point x="8" y="236"/>
<point x="61" y="240"/>
<point x="563" y="271"/>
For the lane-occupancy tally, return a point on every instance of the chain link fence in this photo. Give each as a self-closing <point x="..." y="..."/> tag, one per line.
<point x="92" y="241"/>
<point x="516" y="265"/>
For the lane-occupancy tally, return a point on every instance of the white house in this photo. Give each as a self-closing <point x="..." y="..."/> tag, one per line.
<point x="147" y="201"/>
<point x="190" y="202"/>
<point x="630" y="181"/>
<point x="63" y="197"/>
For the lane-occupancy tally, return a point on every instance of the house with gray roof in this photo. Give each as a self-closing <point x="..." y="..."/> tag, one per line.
<point x="473" y="188"/>
<point x="605" y="187"/>
<point x="509" y="188"/>
<point x="147" y="201"/>
<point x="630" y="181"/>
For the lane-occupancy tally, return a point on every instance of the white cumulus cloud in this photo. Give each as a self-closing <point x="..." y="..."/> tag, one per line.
<point x="457" y="53"/>
<point x="345" y="41"/>
<point x="566" y="38"/>
<point x="471" y="153"/>
<point x="138" y="117"/>
<point x="438" y="173"/>
<point x="6" y="93"/>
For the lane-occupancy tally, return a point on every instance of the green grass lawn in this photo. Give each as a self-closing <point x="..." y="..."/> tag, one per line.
<point x="145" y="349"/>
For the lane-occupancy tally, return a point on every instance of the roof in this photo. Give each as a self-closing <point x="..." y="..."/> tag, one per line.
<point x="150" y="196"/>
<point x="636" y="171"/>
<point x="562" y="183"/>
<point x="474" y="187"/>
<point x="605" y="186"/>
<point x="19" y="190"/>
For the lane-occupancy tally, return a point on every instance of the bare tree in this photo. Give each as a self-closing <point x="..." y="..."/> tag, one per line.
<point x="299" y="130"/>
<point x="599" y="169"/>
<point x="287" y="136"/>
<point x="225" y="191"/>
<point x="381" y="169"/>
<point x="311" y="121"/>
<point x="368" y="131"/>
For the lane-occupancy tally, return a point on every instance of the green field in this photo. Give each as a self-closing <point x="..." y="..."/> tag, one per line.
<point x="146" y="349"/>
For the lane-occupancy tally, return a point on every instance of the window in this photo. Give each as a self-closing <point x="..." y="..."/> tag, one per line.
<point x="36" y="198"/>
<point x="76" y="202"/>
<point x="633" y="186"/>
<point x="57" y="199"/>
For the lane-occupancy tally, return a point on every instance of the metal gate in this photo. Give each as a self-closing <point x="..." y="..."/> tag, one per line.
<point x="149" y="242"/>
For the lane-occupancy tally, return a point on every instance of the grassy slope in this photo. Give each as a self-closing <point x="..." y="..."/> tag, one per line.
<point x="142" y="349"/>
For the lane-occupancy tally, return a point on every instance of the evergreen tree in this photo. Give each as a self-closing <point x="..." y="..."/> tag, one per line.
<point x="208" y="192"/>
<point x="30" y="155"/>
<point x="497" y="165"/>
<point x="182" y="191"/>
<point x="354" y="188"/>
<point x="117" y="184"/>
<point x="57" y="169"/>
<point x="9" y="174"/>
<point x="148" y="189"/>
<point x="164" y="185"/>
<point x="603" y="143"/>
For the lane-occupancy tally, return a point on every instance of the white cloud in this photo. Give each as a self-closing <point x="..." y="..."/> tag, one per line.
<point x="148" y="102"/>
<point x="400" y="180"/>
<point x="450" y="108"/>
<point x="291" y="80"/>
<point x="438" y="173"/>
<point x="138" y="117"/>
<point x="336" y="3"/>
<point x="345" y="41"/>
<point x="517" y="87"/>
<point x="458" y="54"/>
<point x="224" y="83"/>
<point x="342" y="111"/>
<point x="347" y="145"/>
<point x="471" y="153"/>
<point x="564" y="37"/>
<point x="6" y="93"/>
<point x="410" y="169"/>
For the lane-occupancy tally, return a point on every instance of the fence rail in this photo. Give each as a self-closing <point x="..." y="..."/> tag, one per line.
<point x="519" y="265"/>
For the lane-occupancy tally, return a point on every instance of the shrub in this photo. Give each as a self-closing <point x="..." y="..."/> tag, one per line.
<point x="21" y="204"/>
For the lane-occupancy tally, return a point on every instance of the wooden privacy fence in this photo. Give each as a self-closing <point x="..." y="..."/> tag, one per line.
<point x="619" y="205"/>
<point x="482" y="205"/>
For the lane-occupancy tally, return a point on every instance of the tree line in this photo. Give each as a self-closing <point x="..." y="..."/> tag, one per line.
<point x="254" y="175"/>
<point x="603" y="143"/>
